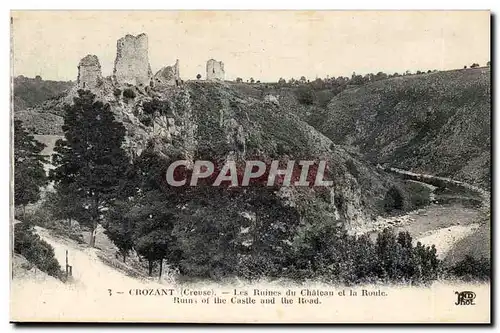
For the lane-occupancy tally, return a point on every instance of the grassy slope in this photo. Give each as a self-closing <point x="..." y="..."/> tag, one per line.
<point x="436" y="123"/>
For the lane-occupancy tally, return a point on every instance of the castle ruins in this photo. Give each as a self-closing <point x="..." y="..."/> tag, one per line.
<point x="215" y="70"/>
<point x="168" y="76"/>
<point x="132" y="67"/>
<point x="89" y="72"/>
<point x="132" y="62"/>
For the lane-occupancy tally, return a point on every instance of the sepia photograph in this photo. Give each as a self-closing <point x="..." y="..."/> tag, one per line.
<point x="250" y="166"/>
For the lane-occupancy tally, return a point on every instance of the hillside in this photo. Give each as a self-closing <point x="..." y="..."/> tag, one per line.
<point x="29" y="92"/>
<point x="436" y="123"/>
<point x="217" y="121"/>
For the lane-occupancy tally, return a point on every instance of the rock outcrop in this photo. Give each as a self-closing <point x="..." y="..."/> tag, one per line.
<point x="89" y="72"/>
<point x="132" y="62"/>
<point x="168" y="76"/>
<point x="215" y="70"/>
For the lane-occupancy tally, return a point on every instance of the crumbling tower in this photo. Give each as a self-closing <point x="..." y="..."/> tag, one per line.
<point x="132" y="61"/>
<point x="168" y="76"/>
<point x="215" y="70"/>
<point x="89" y="72"/>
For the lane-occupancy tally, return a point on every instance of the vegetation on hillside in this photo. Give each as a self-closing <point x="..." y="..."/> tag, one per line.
<point x="29" y="175"/>
<point x="29" y="92"/>
<point x="436" y="123"/>
<point x="256" y="231"/>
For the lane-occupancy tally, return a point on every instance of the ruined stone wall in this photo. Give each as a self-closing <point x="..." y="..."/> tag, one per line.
<point x="89" y="73"/>
<point x="215" y="70"/>
<point x="168" y="76"/>
<point x="132" y="62"/>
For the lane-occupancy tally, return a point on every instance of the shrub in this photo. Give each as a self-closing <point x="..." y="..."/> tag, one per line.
<point x="305" y="96"/>
<point x="327" y="252"/>
<point x="117" y="92"/>
<point x="129" y="93"/>
<point x="157" y="107"/>
<point x="472" y="269"/>
<point x="419" y="194"/>
<point x="35" y="250"/>
<point x="393" y="200"/>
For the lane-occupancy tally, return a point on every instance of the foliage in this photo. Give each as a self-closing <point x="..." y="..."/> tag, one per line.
<point x="419" y="194"/>
<point x="198" y="76"/>
<point x="326" y="251"/>
<point x="393" y="200"/>
<point x="35" y="250"/>
<point x="129" y="93"/>
<point x="119" y="227"/>
<point x="29" y="174"/>
<point x="29" y="92"/>
<point x="90" y="161"/>
<point x="117" y="92"/>
<point x="305" y="96"/>
<point x="471" y="268"/>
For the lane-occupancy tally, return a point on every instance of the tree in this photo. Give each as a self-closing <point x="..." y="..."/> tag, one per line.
<point x="198" y="76"/>
<point x="29" y="174"/>
<point x="239" y="80"/>
<point x="90" y="160"/>
<point x="65" y="204"/>
<point x="474" y="65"/>
<point x="120" y="227"/>
<point x="252" y="80"/>
<point x="154" y="223"/>
<point x="488" y="63"/>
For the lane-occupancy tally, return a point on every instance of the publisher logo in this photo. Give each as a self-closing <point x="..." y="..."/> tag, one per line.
<point x="465" y="298"/>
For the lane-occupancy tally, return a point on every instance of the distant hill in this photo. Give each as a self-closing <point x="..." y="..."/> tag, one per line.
<point x="29" y="92"/>
<point x="437" y="123"/>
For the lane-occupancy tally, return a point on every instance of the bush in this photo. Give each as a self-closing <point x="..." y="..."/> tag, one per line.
<point x="305" y="96"/>
<point x="35" y="250"/>
<point x="328" y="253"/>
<point x="129" y="93"/>
<point x="117" y="92"/>
<point x="393" y="200"/>
<point x="472" y="269"/>
<point x="419" y="195"/>
<point x="157" y="107"/>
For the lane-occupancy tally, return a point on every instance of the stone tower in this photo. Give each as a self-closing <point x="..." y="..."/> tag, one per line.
<point x="89" y="72"/>
<point x="168" y="76"/>
<point x="215" y="70"/>
<point x="132" y="62"/>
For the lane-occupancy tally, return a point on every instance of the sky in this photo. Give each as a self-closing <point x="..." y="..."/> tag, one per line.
<point x="265" y="45"/>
